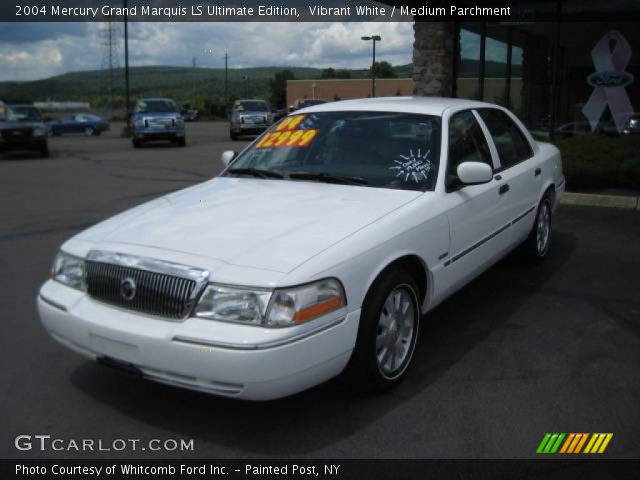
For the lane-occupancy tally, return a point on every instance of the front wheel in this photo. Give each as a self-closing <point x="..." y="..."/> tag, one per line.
<point x="536" y="247"/>
<point x="44" y="151"/>
<point x="387" y="333"/>
<point x="88" y="131"/>
<point x="181" y="142"/>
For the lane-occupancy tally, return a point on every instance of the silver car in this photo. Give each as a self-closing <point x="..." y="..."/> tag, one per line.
<point x="249" y="117"/>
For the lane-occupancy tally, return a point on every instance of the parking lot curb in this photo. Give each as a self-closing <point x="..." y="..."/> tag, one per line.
<point x="595" y="200"/>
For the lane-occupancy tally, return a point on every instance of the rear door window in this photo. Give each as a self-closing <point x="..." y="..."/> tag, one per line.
<point x="510" y="141"/>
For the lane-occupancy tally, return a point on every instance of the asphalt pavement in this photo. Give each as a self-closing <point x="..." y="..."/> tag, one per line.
<point x="519" y="352"/>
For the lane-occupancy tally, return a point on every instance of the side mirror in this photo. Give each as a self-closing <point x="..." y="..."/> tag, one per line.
<point x="228" y="156"/>
<point x="474" y="173"/>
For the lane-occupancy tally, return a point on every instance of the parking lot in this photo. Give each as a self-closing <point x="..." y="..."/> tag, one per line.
<point x="520" y="352"/>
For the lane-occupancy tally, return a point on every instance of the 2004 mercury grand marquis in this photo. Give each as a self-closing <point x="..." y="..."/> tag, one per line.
<point x="313" y="253"/>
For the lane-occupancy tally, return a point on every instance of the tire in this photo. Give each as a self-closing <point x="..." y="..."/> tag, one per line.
<point x="56" y="133"/>
<point x="536" y="247"/>
<point x="89" y="131"/>
<point x="44" y="151"/>
<point x="136" y="143"/>
<point x="386" y="334"/>
<point x="233" y="136"/>
<point x="181" y="142"/>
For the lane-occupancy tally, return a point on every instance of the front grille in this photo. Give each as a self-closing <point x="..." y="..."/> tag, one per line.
<point x="157" y="294"/>
<point x="10" y="134"/>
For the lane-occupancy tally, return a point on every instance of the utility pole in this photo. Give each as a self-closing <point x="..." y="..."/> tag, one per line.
<point x="126" y="70"/>
<point x="226" y="80"/>
<point x="192" y="103"/>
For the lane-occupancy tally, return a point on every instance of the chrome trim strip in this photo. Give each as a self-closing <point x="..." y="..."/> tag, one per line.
<point x="256" y="346"/>
<point x="520" y="217"/>
<point x="480" y="243"/>
<point x="52" y="303"/>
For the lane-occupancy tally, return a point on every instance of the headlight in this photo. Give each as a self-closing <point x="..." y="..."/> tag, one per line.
<point x="279" y="308"/>
<point x="231" y="304"/>
<point x="39" y="132"/>
<point x="69" y="270"/>
<point x="293" y="306"/>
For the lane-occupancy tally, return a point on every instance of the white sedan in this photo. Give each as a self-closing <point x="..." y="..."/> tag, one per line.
<point x="314" y="253"/>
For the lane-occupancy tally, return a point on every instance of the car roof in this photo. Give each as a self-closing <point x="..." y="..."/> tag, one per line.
<point x="157" y="98"/>
<point x="423" y="105"/>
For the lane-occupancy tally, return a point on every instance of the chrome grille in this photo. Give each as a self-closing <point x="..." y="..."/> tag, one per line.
<point x="159" y="294"/>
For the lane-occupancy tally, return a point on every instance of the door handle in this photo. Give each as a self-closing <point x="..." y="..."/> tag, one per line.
<point x="503" y="189"/>
<point x="537" y="172"/>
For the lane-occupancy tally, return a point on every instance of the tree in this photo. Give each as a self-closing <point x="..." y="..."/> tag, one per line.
<point x="278" y="85"/>
<point x="333" y="73"/>
<point x="384" y="70"/>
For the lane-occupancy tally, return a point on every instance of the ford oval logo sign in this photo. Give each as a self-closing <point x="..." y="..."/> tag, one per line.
<point x="610" y="78"/>
<point x="128" y="289"/>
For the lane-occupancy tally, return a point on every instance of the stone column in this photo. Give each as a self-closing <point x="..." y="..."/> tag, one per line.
<point x="433" y="58"/>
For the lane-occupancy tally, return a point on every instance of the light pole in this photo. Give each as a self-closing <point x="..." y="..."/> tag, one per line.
<point x="374" y="38"/>
<point x="226" y="76"/>
<point x="313" y="91"/>
<point x="246" y="77"/>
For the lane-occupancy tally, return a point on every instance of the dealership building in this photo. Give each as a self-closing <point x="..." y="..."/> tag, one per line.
<point x="577" y="75"/>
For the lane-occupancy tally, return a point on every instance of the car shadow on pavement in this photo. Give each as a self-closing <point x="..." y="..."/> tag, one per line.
<point x="304" y="423"/>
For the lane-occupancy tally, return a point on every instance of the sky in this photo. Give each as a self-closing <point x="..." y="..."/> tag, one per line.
<point x="31" y="51"/>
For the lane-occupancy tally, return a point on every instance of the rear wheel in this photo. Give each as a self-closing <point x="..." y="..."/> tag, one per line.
<point x="233" y="136"/>
<point x="44" y="151"/>
<point x="387" y="333"/>
<point x="88" y="131"/>
<point x="181" y="142"/>
<point x="536" y="246"/>
<point x="136" y="143"/>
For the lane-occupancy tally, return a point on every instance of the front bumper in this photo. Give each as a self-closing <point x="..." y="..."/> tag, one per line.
<point x="29" y="144"/>
<point x="248" y="128"/>
<point x="220" y="358"/>
<point x="151" y="134"/>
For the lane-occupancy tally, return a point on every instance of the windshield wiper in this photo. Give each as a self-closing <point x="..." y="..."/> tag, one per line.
<point x="328" y="178"/>
<point x="255" y="172"/>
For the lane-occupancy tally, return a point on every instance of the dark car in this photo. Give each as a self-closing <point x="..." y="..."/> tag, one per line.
<point x="157" y="119"/>
<point x="632" y="125"/>
<point x="190" y="115"/>
<point x="307" y="102"/>
<point x="79" y="123"/>
<point x="22" y="129"/>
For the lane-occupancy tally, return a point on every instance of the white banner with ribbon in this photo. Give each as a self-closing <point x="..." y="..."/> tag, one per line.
<point x="611" y="55"/>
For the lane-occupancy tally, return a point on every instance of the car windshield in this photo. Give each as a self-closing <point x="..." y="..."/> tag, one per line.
<point x="157" y="106"/>
<point x="376" y="149"/>
<point x="23" y="114"/>
<point x="251" y="106"/>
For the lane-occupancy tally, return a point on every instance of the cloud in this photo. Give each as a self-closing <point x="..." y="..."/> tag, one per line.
<point x="38" y="52"/>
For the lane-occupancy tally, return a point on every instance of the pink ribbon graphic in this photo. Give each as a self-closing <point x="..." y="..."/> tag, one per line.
<point x="610" y="62"/>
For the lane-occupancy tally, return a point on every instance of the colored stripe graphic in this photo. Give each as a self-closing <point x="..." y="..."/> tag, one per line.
<point x="573" y="443"/>
<point x="550" y="443"/>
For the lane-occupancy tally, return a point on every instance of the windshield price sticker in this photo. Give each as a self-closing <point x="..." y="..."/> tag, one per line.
<point x="287" y="138"/>
<point x="290" y="123"/>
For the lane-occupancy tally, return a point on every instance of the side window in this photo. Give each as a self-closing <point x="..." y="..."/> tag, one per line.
<point x="467" y="142"/>
<point x="510" y="142"/>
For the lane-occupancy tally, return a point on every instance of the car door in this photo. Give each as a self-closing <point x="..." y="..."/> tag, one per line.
<point x="478" y="236"/>
<point x="519" y="169"/>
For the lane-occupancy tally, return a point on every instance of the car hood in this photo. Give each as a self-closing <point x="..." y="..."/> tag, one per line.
<point x="265" y="224"/>
<point x="251" y="113"/>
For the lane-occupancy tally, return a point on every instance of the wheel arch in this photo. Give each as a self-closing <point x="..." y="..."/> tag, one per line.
<point x="412" y="263"/>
